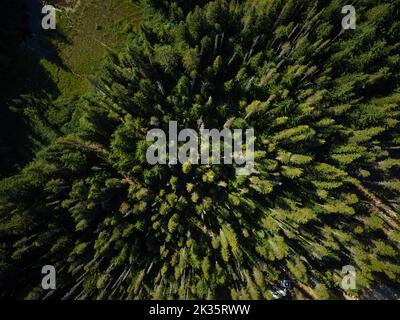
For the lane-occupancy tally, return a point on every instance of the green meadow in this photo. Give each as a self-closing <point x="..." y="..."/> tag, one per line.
<point x="85" y="34"/>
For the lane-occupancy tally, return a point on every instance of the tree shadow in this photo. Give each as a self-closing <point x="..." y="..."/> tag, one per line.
<point x="22" y="73"/>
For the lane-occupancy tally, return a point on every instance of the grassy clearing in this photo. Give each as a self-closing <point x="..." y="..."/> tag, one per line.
<point x="83" y="36"/>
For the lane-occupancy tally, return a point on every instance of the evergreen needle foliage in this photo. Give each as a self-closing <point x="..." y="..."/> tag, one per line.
<point x="325" y="106"/>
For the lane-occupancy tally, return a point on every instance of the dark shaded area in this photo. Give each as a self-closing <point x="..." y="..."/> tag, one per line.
<point x="12" y="32"/>
<point x="23" y="78"/>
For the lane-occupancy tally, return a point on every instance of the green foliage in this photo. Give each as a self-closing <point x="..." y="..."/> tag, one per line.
<point x="324" y="105"/>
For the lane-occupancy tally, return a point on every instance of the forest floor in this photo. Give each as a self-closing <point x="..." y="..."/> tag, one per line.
<point x="82" y="39"/>
<point x="63" y="3"/>
<point x="59" y="63"/>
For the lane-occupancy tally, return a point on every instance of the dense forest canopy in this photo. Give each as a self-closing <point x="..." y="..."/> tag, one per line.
<point x="324" y="103"/>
